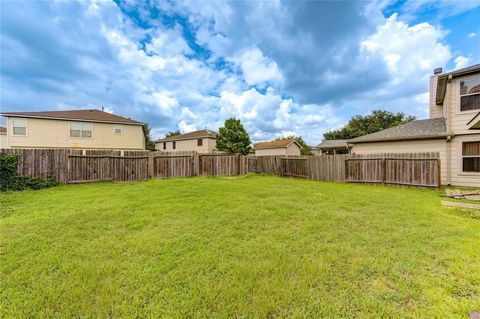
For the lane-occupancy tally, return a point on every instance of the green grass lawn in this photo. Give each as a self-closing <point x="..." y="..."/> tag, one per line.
<point x="254" y="246"/>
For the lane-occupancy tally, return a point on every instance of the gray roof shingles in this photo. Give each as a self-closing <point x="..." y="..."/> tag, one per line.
<point x="190" y="135"/>
<point x="80" y="115"/>
<point x="420" y="129"/>
<point x="333" y="144"/>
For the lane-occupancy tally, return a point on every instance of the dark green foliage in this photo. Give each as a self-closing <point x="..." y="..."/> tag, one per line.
<point x="371" y="123"/>
<point x="173" y="133"/>
<point x="149" y="144"/>
<point x="233" y="138"/>
<point x="10" y="180"/>
<point x="304" y="148"/>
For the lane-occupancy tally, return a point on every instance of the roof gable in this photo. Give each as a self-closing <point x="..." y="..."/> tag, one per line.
<point x="190" y="135"/>
<point x="77" y="115"/>
<point x="333" y="144"/>
<point x="276" y="144"/>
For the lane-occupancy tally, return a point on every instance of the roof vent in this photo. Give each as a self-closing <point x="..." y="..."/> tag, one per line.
<point x="437" y="71"/>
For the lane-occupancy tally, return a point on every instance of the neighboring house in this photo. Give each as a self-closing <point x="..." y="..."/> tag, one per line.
<point x="452" y="129"/>
<point x="3" y="137"/>
<point x="203" y="141"/>
<point x="331" y="147"/>
<point x="287" y="147"/>
<point x="85" y="129"/>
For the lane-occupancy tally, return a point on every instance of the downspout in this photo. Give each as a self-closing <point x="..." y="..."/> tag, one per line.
<point x="449" y="129"/>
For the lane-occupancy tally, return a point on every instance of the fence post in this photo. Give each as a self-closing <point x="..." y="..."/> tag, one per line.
<point x="238" y="164"/>
<point x="346" y="170"/>
<point x="150" y="165"/>
<point x="198" y="159"/>
<point x="384" y="177"/>
<point x="439" y="175"/>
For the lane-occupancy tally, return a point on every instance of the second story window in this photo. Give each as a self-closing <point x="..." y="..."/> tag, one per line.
<point x="470" y="94"/>
<point x="19" y="126"/>
<point x="200" y="142"/>
<point x="80" y="129"/>
<point x="174" y="145"/>
<point x="118" y="129"/>
<point x="164" y="145"/>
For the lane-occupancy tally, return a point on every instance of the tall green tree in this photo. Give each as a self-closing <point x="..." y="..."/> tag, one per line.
<point x="304" y="148"/>
<point x="173" y="133"/>
<point x="376" y="121"/>
<point x="233" y="138"/>
<point x="149" y="144"/>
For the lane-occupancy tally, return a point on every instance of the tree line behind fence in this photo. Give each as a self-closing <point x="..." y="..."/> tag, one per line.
<point x="77" y="166"/>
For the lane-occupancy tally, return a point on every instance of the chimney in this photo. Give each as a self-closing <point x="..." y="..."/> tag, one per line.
<point x="103" y="109"/>
<point x="437" y="70"/>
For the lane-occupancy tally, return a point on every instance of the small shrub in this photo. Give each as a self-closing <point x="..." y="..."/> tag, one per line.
<point x="10" y="180"/>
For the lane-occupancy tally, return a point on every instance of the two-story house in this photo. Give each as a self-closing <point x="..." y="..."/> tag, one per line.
<point x="203" y="141"/>
<point x="453" y="128"/>
<point x="85" y="129"/>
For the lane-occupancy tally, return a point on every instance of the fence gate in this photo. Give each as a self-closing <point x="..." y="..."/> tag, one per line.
<point x="252" y="164"/>
<point x="423" y="172"/>
<point x="171" y="166"/>
<point x="94" y="168"/>
<point x="294" y="167"/>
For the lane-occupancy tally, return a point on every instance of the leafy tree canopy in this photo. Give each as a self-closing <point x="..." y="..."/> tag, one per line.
<point x="233" y="138"/>
<point x="173" y="133"/>
<point x="149" y="144"/>
<point x="304" y="148"/>
<point x="376" y="121"/>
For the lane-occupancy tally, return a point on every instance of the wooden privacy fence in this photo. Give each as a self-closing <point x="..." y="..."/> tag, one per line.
<point x="418" y="169"/>
<point x="415" y="169"/>
<point x="294" y="167"/>
<point x="75" y="166"/>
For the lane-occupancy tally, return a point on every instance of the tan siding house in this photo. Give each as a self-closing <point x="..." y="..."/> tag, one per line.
<point x="453" y="129"/>
<point x="3" y="137"/>
<point x="203" y="141"/>
<point x="85" y="129"/>
<point x="285" y="147"/>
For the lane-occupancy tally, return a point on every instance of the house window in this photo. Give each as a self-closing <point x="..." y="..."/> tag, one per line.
<point x="19" y="126"/>
<point x="174" y="145"/>
<point x="164" y="145"/>
<point x="471" y="156"/>
<point x="80" y="129"/>
<point x="199" y="142"/>
<point x="118" y="129"/>
<point x="470" y="94"/>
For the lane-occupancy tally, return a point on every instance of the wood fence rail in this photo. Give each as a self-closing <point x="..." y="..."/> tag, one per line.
<point x="77" y="166"/>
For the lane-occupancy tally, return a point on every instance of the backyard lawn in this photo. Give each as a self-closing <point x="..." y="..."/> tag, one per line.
<point x="251" y="246"/>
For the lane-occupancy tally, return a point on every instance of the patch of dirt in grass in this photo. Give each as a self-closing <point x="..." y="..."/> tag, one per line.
<point x="464" y="212"/>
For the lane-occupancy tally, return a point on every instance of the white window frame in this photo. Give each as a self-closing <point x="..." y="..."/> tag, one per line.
<point x="462" y="172"/>
<point x="115" y="127"/>
<point x="13" y="126"/>
<point x="81" y="130"/>
<point x="461" y="95"/>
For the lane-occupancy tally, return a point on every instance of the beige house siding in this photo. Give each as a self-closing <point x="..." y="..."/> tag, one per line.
<point x="459" y="120"/>
<point x="48" y="133"/>
<point x="457" y="177"/>
<point x="3" y="141"/>
<point x="290" y="150"/>
<point x="408" y="147"/>
<point x="435" y="110"/>
<point x="209" y="145"/>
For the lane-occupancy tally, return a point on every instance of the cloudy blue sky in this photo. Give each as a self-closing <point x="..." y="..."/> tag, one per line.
<point x="281" y="67"/>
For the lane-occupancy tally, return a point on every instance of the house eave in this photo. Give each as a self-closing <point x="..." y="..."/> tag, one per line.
<point x="184" y="139"/>
<point x="401" y="138"/>
<point x="69" y="119"/>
